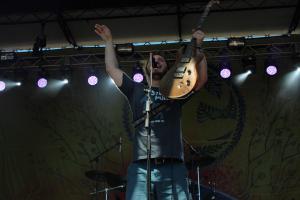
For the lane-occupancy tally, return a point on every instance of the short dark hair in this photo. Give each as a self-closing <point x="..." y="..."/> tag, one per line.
<point x="170" y="63"/>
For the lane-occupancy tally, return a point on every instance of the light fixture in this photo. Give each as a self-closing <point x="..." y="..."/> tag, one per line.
<point x="225" y="69"/>
<point x="137" y="73"/>
<point x="92" y="80"/>
<point x="2" y="86"/>
<point x="20" y="75"/>
<point x="249" y="63"/>
<point x="93" y="76"/>
<point x="6" y="56"/>
<point x="271" y="67"/>
<point x="236" y="42"/>
<point x="296" y="59"/>
<point x="125" y="49"/>
<point x="42" y="81"/>
<point x="66" y="74"/>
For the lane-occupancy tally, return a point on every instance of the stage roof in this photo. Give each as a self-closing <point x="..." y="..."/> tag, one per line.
<point x="70" y="22"/>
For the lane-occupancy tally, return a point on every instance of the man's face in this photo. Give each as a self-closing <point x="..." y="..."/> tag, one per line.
<point x="159" y="68"/>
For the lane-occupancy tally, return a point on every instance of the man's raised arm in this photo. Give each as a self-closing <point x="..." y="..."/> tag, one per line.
<point x="111" y="62"/>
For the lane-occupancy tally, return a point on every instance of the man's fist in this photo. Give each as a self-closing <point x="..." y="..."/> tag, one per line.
<point x="198" y="35"/>
<point x="104" y="32"/>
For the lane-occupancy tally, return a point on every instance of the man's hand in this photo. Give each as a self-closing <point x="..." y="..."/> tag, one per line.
<point x="104" y="32"/>
<point x="199" y="35"/>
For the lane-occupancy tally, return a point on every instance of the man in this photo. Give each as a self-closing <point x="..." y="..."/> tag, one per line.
<point x="168" y="172"/>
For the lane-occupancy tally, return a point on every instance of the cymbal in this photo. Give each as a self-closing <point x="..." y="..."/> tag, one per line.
<point x="103" y="176"/>
<point x="200" y="161"/>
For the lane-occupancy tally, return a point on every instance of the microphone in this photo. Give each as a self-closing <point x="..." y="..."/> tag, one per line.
<point x="120" y="145"/>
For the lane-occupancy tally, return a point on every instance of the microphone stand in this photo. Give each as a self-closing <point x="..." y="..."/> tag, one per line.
<point x="148" y="128"/>
<point x="96" y="160"/>
<point x="198" y="168"/>
<point x="107" y="190"/>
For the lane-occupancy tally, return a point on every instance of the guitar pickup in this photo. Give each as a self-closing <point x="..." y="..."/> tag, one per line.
<point x="178" y="75"/>
<point x="181" y="69"/>
<point x="185" y="59"/>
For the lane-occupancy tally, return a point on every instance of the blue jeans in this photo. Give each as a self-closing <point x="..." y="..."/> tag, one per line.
<point x="168" y="181"/>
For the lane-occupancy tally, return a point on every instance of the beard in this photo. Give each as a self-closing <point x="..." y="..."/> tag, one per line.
<point x="157" y="75"/>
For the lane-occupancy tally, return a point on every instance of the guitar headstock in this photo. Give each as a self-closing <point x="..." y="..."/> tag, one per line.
<point x="212" y="2"/>
<point x="206" y="11"/>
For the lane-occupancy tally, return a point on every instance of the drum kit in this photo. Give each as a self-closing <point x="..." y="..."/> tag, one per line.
<point x="116" y="184"/>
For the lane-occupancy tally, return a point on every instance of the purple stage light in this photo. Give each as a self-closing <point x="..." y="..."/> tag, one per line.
<point x="92" y="80"/>
<point x="271" y="70"/>
<point x="225" y="73"/>
<point x="42" y="82"/>
<point x="2" y="86"/>
<point x="138" y="77"/>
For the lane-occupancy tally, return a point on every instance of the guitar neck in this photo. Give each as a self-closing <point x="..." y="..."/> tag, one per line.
<point x="192" y="45"/>
<point x="189" y="49"/>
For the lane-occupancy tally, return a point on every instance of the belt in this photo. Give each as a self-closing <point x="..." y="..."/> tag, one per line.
<point x="161" y="161"/>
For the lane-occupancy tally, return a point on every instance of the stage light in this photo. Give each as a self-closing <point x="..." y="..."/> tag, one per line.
<point x="66" y="71"/>
<point x="225" y="69"/>
<point x="20" y="76"/>
<point x="93" y="75"/>
<point x="42" y="82"/>
<point x="65" y="81"/>
<point x="92" y="80"/>
<point x="125" y="49"/>
<point x="271" y="70"/>
<point x="225" y="73"/>
<point x="290" y="84"/>
<point x="271" y="66"/>
<point x="138" y="77"/>
<point x="42" y="77"/>
<point x="236" y="42"/>
<point x="249" y="63"/>
<point x="2" y="86"/>
<point x="7" y="56"/>
<point x="137" y="73"/>
<point x="241" y="78"/>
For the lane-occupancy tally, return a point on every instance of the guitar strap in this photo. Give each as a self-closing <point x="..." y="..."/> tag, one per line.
<point x="154" y="111"/>
<point x="161" y="107"/>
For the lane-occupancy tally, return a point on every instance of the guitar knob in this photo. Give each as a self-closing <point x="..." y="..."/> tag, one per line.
<point x="188" y="82"/>
<point x="180" y="85"/>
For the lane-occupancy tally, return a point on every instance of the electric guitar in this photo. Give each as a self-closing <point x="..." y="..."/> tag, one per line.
<point x="181" y="79"/>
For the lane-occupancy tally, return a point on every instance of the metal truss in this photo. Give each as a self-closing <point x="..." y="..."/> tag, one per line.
<point x="89" y="57"/>
<point x="176" y="8"/>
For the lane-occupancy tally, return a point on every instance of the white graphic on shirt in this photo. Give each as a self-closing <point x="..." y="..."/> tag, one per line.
<point x="157" y="99"/>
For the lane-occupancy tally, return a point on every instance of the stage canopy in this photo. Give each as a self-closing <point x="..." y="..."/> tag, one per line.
<point x="70" y="23"/>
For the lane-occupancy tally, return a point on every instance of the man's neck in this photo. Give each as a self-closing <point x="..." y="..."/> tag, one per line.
<point x="155" y="83"/>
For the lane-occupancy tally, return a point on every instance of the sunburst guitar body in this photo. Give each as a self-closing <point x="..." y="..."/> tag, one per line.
<point x="181" y="79"/>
